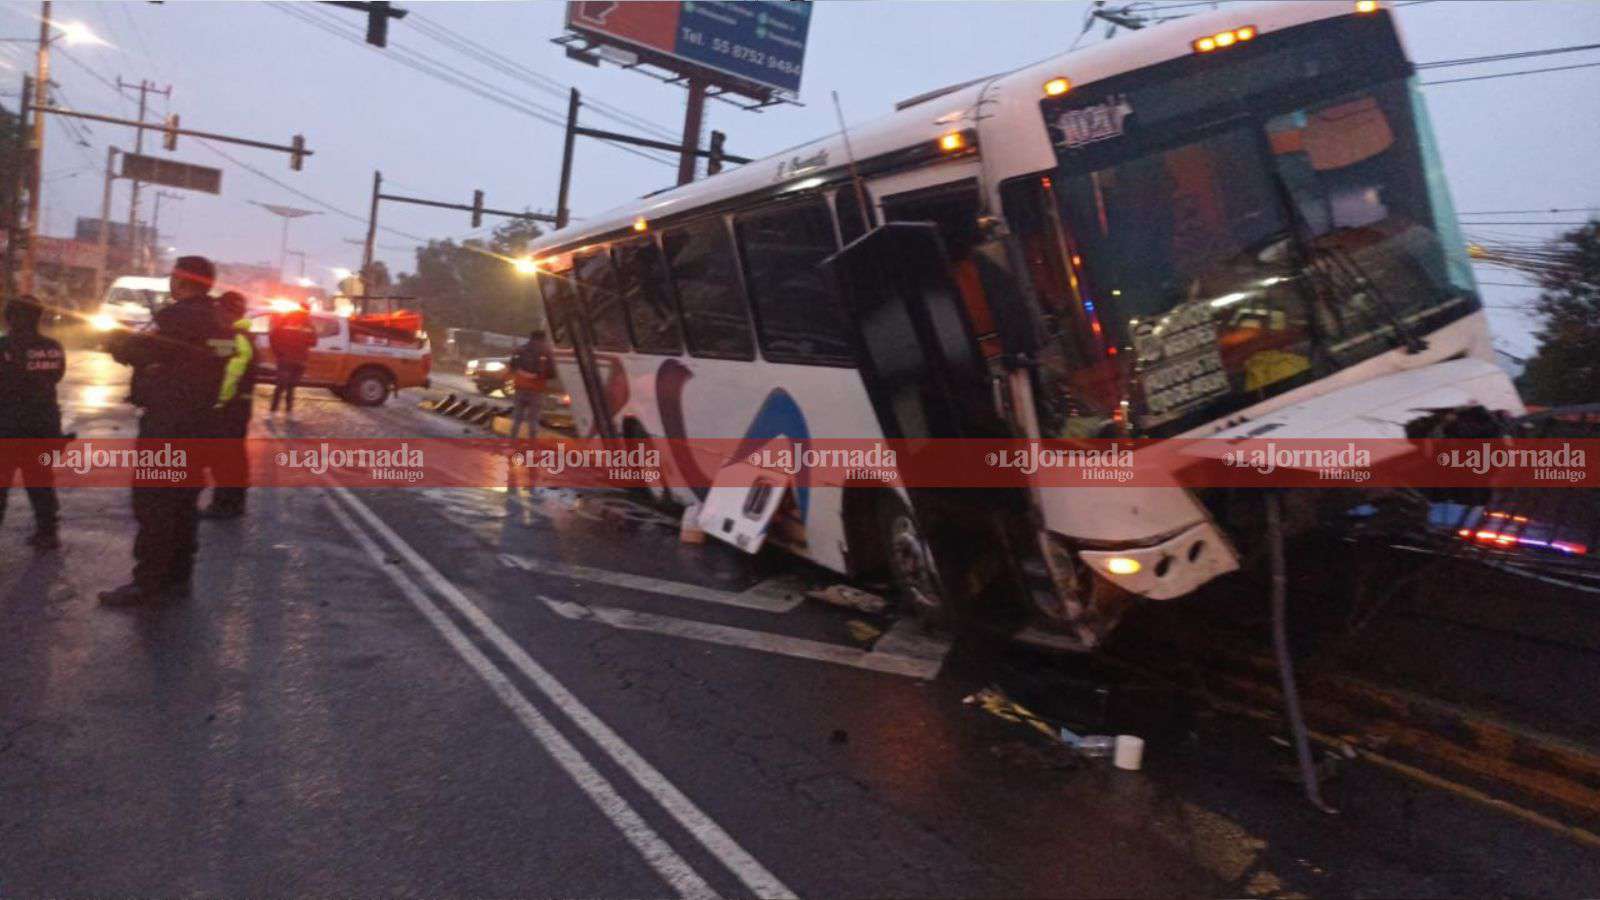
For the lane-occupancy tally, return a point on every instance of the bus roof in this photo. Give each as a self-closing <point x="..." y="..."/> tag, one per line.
<point x="1013" y="95"/>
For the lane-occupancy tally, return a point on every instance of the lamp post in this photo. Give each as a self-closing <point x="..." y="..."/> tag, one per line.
<point x="75" y="33"/>
<point x="287" y="213"/>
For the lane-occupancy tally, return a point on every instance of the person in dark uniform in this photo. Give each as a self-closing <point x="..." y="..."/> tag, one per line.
<point x="30" y="367"/>
<point x="232" y="413"/>
<point x="179" y="366"/>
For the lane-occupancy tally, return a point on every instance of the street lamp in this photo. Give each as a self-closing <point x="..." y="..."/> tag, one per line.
<point x="286" y="213"/>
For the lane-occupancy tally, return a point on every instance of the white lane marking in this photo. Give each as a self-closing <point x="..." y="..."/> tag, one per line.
<point x="906" y="638"/>
<point x="774" y="595"/>
<point x="716" y="841"/>
<point x="766" y="642"/>
<point x="660" y="856"/>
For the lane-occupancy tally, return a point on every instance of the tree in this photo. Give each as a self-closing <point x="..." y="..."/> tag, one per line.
<point x="472" y="285"/>
<point x="1566" y="368"/>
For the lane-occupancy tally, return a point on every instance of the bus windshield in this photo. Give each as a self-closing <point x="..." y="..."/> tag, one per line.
<point x="1262" y="251"/>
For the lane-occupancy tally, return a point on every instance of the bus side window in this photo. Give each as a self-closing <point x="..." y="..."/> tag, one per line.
<point x="648" y="298"/>
<point x="602" y="304"/>
<point x="852" y="224"/>
<point x="799" y="317"/>
<point x="706" y="276"/>
<point x="556" y="288"/>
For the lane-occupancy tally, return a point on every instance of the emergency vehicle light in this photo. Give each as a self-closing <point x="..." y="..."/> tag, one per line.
<point x="1224" y="39"/>
<point x="1055" y="87"/>
<point x="640" y="224"/>
<point x="952" y="142"/>
<point x="1366" y="6"/>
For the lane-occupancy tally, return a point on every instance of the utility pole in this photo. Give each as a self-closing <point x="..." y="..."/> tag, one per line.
<point x="104" y="262"/>
<point x="41" y="91"/>
<point x="155" y="220"/>
<point x="692" y="118"/>
<point x="145" y="89"/>
<point x="372" y="230"/>
<point x="562" y="212"/>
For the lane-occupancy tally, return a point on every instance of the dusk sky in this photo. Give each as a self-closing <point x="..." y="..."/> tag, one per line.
<point x="260" y="70"/>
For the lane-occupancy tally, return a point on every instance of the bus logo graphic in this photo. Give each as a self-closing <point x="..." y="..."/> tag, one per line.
<point x="1092" y="124"/>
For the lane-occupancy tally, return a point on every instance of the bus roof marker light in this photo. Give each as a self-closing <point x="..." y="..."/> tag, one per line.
<point x="1366" y="6"/>
<point x="1224" y="39"/>
<point x="640" y="224"/>
<point x="952" y="142"/>
<point x="1055" y="87"/>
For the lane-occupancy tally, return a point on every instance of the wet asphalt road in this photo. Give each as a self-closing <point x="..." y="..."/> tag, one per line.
<point x="529" y="693"/>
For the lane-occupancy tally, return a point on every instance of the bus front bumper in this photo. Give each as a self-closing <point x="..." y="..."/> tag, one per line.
<point x="1172" y="568"/>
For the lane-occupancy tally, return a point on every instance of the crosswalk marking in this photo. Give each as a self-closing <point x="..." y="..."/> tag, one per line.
<point x="632" y="620"/>
<point x="775" y="595"/>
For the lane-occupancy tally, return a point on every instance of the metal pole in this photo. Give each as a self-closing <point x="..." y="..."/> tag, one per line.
<point x="691" y="130"/>
<point x="14" y="190"/>
<point x="573" y="103"/>
<point x="283" y="249"/>
<point x="41" y="98"/>
<point x="372" y="231"/>
<point x="134" y="251"/>
<point x="100" y="279"/>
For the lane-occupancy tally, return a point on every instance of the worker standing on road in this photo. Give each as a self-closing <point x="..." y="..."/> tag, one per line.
<point x="30" y="367"/>
<point x="291" y="339"/>
<point x="180" y="364"/>
<point x="531" y="370"/>
<point x="232" y="412"/>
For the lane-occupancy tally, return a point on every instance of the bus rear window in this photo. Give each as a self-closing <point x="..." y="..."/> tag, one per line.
<point x="700" y="258"/>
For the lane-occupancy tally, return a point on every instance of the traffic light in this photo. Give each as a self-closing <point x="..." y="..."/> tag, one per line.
<point x="169" y="140"/>
<point x="477" y="208"/>
<point x="714" y="163"/>
<point x="378" y="24"/>
<point x="297" y="153"/>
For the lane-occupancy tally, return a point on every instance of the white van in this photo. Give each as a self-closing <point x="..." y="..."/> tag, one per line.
<point x="130" y="302"/>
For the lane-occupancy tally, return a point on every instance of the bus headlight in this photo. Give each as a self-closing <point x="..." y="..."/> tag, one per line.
<point x="103" y="322"/>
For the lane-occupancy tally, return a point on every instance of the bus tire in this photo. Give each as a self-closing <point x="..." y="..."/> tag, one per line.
<point x="911" y="566"/>
<point x="368" y="387"/>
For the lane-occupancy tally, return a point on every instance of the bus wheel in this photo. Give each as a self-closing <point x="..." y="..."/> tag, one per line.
<point x="912" y="568"/>
<point x="368" y="387"/>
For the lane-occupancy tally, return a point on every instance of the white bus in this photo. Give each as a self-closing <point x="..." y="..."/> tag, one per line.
<point x="1223" y="225"/>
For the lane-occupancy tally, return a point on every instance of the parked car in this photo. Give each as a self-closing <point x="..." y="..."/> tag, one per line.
<point x="361" y="362"/>
<point x="130" y="303"/>
<point x="491" y="375"/>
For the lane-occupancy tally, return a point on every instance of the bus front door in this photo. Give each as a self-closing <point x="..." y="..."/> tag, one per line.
<point x="927" y="377"/>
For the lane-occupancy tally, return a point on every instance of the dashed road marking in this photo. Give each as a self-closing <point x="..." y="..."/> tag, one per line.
<point x="765" y="642"/>
<point x="775" y="595"/>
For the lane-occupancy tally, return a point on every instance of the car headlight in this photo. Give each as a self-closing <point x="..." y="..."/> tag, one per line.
<point x="494" y="366"/>
<point x="472" y="366"/>
<point x="103" y="322"/>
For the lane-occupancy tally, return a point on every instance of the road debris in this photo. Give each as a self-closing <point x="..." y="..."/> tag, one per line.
<point x="851" y="598"/>
<point x="861" y="632"/>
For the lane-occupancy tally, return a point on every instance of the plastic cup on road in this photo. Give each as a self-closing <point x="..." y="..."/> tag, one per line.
<point x="1130" y="752"/>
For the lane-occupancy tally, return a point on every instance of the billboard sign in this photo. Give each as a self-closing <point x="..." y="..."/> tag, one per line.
<point x="172" y="174"/>
<point x="760" y="43"/>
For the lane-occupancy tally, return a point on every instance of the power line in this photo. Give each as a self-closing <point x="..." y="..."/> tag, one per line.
<point x="1527" y="224"/>
<point x="496" y="60"/>
<point x="1528" y="212"/>
<point x="1512" y="74"/>
<point x="453" y="76"/>
<point x="1501" y="57"/>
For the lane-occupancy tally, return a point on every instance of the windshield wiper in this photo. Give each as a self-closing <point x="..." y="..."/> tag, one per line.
<point x="1337" y="271"/>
